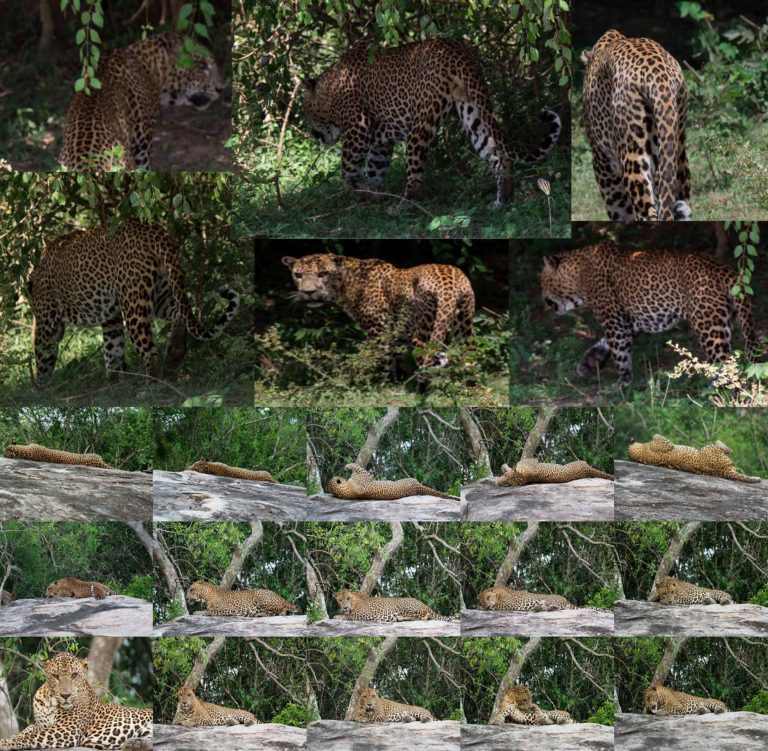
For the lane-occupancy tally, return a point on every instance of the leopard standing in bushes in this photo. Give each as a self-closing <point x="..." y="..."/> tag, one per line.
<point x="121" y="115"/>
<point x="405" y="94"/>
<point x="68" y="714"/>
<point x="115" y="278"/>
<point x="635" y="110"/>
<point x="662" y="701"/>
<point x="192" y="712"/>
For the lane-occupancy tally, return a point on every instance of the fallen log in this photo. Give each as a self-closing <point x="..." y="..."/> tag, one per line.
<point x="338" y="735"/>
<point x="210" y="625"/>
<point x="649" y="493"/>
<point x="323" y="507"/>
<point x="340" y="627"/>
<point x="263" y="737"/>
<point x="578" y="737"/>
<point x="582" y="622"/>
<point x="579" y="500"/>
<point x="192" y="496"/>
<point x="40" y="491"/>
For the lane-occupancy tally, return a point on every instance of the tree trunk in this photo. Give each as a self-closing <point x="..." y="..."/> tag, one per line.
<point x="315" y="590"/>
<point x="382" y="558"/>
<point x="46" y="22"/>
<point x="372" y="661"/>
<point x="375" y="432"/>
<point x="673" y="551"/>
<point x="239" y="554"/>
<point x="510" y="678"/>
<point x="201" y="663"/>
<point x="513" y="553"/>
<point x="667" y="660"/>
<point x="9" y="723"/>
<point x="158" y="555"/>
<point x="314" y="478"/>
<point x="476" y="441"/>
<point x="539" y="431"/>
<point x="312" y="705"/>
<point x="101" y="657"/>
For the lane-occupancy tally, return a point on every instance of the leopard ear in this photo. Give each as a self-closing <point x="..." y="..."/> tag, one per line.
<point x="551" y="263"/>
<point x="84" y="662"/>
<point x="288" y="261"/>
<point x="308" y="84"/>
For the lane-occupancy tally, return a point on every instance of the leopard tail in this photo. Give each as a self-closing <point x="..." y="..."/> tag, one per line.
<point x="424" y="490"/>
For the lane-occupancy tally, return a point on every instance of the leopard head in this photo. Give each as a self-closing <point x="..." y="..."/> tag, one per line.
<point x="317" y="278"/>
<point x="198" y="591"/>
<point x="65" y="678"/>
<point x="197" y="86"/>
<point x="654" y="698"/>
<point x="11" y="452"/>
<point x="520" y="696"/>
<point x="369" y="699"/>
<point x="187" y="698"/>
<point x="487" y="600"/>
<point x="560" y="284"/>
<point x="319" y="109"/>
<point x="54" y="589"/>
<point x="347" y="599"/>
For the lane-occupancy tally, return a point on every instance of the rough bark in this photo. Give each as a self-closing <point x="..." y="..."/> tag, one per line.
<point x="515" y="549"/>
<point x="580" y="737"/>
<point x="9" y="723"/>
<point x="201" y="662"/>
<point x="422" y="508"/>
<point x="671" y="649"/>
<point x="421" y="629"/>
<point x="39" y="491"/>
<point x="476" y="441"/>
<point x="262" y="737"/>
<point x="556" y="623"/>
<point x="511" y="676"/>
<point x="335" y="735"/>
<point x="240" y="553"/>
<point x="372" y="661"/>
<point x="375" y="432"/>
<point x="648" y="493"/>
<point x="636" y="618"/>
<point x="101" y="657"/>
<point x="681" y="536"/>
<point x="192" y="496"/>
<point x="314" y="479"/>
<point x="539" y="431"/>
<point x="589" y="500"/>
<point x="163" y="561"/>
<point x="208" y="625"/>
<point x="315" y="592"/>
<point x="381" y="558"/>
<point x="732" y="731"/>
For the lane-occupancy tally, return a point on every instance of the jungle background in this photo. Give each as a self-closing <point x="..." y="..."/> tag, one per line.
<point x="32" y="555"/>
<point x="550" y="434"/>
<point x="732" y="670"/>
<point x="264" y="676"/>
<point x="744" y="431"/>
<point x="231" y="555"/>
<point x="122" y="436"/>
<point x="119" y="670"/>
<point x="730" y="556"/>
<point x="421" y="560"/>
<point x="545" y="348"/>
<point x="40" y="44"/>
<point x="194" y="207"/>
<point x="424" y="672"/>
<point x="571" y="674"/>
<point x="577" y="561"/>
<point x="321" y="357"/>
<point x="271" y="440"/>
<point x="391" y="443"/>
<point x="292" y="187"/>
<point x="720" y="45"/>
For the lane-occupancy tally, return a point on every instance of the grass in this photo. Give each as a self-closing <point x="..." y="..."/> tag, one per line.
<point x="303" y="196"/>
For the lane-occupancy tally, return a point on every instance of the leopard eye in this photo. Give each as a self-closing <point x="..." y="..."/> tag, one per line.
<point x="322" y="273"/>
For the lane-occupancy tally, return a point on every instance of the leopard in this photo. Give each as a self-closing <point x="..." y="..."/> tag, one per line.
<point x="501" y="597"/>
<point x="192" y="712"/>
<point x="428" y="305"/>
<point x="224" y="470"/>
<point x="713" y="459"/>
<point x="115" y="278"/>
<point x="247" y="603"/>
<point x="69" y="586"/>
<point x="372" y="708"/>
<point x="362" y="487"/>
<point x="532" y="471"/>
<point x="357" y="606"/>
<point x="406" y="94"/>
<point x="663" y="701"/>
<point x="67" y="714"/>
<point x="634" y="290"/>
<point x="671" y="591"/>
<point x="34" y="452"/>
<point x="112" y="126"/>
<point x="635" y="112"/>
<point x="517" y="707"/>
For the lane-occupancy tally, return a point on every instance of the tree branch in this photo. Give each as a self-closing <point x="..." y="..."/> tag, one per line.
<point x="514" y="551"/>
<point x="381" y="558"/>
<point x="375" y="432"/>
<point x="679" y="539"/>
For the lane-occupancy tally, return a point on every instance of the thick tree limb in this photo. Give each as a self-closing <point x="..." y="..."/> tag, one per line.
<point x="667" y="660"/>
<point x="381" y="558"/>
<point x="476" y="441"/>
<point x="372" y="661"/>
<point x="539" y="430"/>
<point x="240" y="553"/>
<point x="673" y="551"/>
<point x="511" y="676"/>
<point x="514" y="551"/>
<point x="375" y="432"/>
<point x="101" y="657"/>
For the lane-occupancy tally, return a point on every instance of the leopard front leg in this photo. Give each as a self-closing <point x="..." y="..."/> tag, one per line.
<point x="114" y="344"/>
<point x="61" y="735"/>
<point x="420" y="138"/>
<point x="379" y="159"/>
<point x="46" y="335"/>
<point x="354" y="152"/>
<point x="618" y="335"/>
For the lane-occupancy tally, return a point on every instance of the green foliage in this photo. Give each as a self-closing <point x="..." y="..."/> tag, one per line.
<point x="745" y="253"/>
<point x="108" y="552"/>
<point x="604" y="715"/>
<point x="761" y="597"/>
<point x="604" y="598"/>
<point x="88" y="40"/>
<point x="195" y="19"/>
<point x="293" y="714"/>
<point x="288" y="178"/>
<point x="758" y="703"/>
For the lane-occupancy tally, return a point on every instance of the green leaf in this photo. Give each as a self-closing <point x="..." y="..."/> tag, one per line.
<point x="64" y="5"/>
<point x="737" y="251"/>
<point x="80" y="36"/>
<point x="202" y="30"/>
<point x="95" y="83"/>
<point x="85" y="18"/>
<point x="79" y="84"/>
<point x="98" y="19"/>
<point x="186" y="11"/>
<point x="735" y="290"/>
